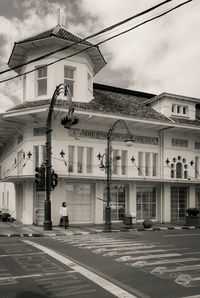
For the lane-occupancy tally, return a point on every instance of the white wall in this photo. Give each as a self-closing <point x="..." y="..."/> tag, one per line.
<point x="55" y="76"/>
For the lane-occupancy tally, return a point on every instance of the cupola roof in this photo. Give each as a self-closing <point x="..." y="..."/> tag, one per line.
<point x="56" y="36"/>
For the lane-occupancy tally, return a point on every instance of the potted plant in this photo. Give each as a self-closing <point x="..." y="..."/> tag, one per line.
<point x="192" y="219"/>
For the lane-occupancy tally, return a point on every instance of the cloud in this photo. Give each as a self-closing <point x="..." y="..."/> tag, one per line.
<point x="159" y="56"/>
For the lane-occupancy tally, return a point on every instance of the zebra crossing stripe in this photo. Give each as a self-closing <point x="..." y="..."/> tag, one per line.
<point x="165" y="270"/>
<point x="195" y="296"/>
<point x="115" y="253"/>
<point x="100" y="250"/>
<point x="140" y="264"/>
<point x="129" y="258"/>
<point x="100" y="281"/>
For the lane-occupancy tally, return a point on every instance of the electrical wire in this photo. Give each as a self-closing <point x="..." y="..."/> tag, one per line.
<point x="90" y="36"/>
<point x="99" y="43"/>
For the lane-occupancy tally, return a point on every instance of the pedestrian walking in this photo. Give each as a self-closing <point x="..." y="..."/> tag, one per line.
<point x="64" y="215"/>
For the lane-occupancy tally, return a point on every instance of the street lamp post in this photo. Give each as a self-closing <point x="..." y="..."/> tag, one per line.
<point x="47" y="203"/>
<point x="68" y="122"/>
<point x="108" y="224"/>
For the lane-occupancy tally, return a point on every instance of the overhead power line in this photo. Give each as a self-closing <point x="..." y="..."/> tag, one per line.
<point x="97" y="44"/>
<point x="88" y="37"/>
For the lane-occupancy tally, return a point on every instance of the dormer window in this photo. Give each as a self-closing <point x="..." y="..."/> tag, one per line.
<point x="184" y="110"/>
<point x="41" y="80"/>
<point x="69" y="75"/>
<point x="179" y="110"/>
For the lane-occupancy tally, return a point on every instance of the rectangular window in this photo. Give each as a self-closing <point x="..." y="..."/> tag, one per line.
<point x="80" y="160"/>
<point x="140" y="163"/>
<point x="69" y="78"/>
<point x="39" y="131"/>
<point x="89" y="80"/>
<point x="123" y="162"/>
<point x="173" y="108"/>
<point x="36" y="156"/>
<point x="196" y="165"/>
<point x="41" y="80"/>
<point x="115" y="161"/>
<point x="178" y="109"/>
<point x="8" y="199"/>
<point x="155" y="163"/>
<point x="89" y="159"/>
<point x="20" y="161"/>
<point x="147" y="164"/>
<point x="24" y="87"/>
<point x="3" y="200"/>
<point x="146" y="202"/>
<point x="71" y="158"/>
<point x="184" y="110"/>
<point x="39" y="155"/>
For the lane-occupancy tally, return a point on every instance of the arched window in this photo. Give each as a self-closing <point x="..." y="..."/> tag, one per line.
<point x="179" y="170"/>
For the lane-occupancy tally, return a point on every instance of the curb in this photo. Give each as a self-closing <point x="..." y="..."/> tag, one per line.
<point x="125" y="229"/>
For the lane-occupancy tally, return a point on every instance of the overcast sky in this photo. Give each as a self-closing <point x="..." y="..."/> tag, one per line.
<point x="161" y="56"/>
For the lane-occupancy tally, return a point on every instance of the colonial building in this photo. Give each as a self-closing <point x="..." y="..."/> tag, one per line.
<point x="156" y="178"/>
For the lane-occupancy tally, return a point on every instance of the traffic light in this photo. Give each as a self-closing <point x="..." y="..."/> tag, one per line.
<point x="40" y="178"/>
<point x="54" y="179"/>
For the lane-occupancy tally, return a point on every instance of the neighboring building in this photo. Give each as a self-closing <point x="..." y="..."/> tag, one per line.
<point x="156" y="178"/>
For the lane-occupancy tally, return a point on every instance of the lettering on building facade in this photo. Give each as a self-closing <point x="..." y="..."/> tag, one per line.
<point x="85" y="133"/>
<point x="179" y="143"/>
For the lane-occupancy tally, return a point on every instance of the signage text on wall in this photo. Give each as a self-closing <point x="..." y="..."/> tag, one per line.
<point x="85" y="133"/>
<point x="179" y="143"/>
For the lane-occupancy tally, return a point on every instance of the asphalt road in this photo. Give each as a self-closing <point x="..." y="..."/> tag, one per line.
<point x="125" y="264"/>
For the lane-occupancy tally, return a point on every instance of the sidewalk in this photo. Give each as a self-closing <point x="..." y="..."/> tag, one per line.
<point x="17" y="229"/>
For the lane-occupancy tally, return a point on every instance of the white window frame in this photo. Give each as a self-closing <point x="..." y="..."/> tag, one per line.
<point x="40" y="67"/>
<point x="178" y="109"/>
<point x="66" y="79"/>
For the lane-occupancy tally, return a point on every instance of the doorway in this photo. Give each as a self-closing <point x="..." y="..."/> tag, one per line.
<point x="179" y="198"/>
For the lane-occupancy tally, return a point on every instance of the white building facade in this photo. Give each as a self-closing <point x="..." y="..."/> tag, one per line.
<point x="156" y="178"/>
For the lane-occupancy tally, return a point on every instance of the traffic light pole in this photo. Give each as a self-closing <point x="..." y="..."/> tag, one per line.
<point x="47" y="203"/>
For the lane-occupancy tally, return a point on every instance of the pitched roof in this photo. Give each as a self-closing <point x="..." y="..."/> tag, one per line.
<point x="49" y="38"/>
<point x="57" y="31"/>
<point x="111" y="100"/>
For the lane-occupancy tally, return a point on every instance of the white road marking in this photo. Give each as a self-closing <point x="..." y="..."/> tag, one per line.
<point x="164" y="270"/>
<point x="171" y="261"/>
<point x="22" y="254"/>
<point x="195" y="296"/>
<point x="113" y="245"/>
<point x="180" y="235"/>
<point x="102" y="282"/>
<point x="100" y="250"/>
<point x="31" y="275"/>
<point x="115" y="253"/>
<point x="186" y="280"/>
<point x="129" y="258"/>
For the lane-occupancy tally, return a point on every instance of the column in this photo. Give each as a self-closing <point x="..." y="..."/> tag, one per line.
<point x="98" y="203"/>
<point x="131" y="202"/>
<point x="84" y="159"/>
<point x="166" y="206"/>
